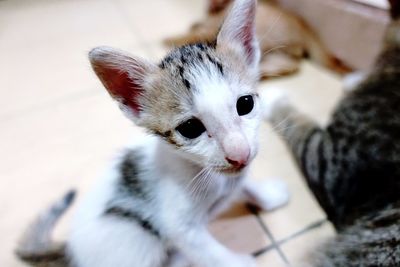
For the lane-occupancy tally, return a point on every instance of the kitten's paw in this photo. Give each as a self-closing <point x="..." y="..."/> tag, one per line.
<point x="276" y="193"/>
<point x="272" y="99"/>
<point x="268" y="195"/>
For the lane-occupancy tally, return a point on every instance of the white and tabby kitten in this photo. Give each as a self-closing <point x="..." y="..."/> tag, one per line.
<point x="201" y="107"/>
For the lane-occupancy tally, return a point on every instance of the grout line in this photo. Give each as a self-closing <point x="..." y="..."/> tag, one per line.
<point x="262" y="251"/>
<point x="310" y="227"/>
<point x="274" y="244"/>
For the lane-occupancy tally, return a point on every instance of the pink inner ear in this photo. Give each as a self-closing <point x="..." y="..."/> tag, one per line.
<point x="247" y="34"/>
<point x="248" y="39"/>
<point x="123" y="88"/>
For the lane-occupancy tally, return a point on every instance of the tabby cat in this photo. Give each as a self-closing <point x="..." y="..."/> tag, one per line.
<point x="353" y="165"/>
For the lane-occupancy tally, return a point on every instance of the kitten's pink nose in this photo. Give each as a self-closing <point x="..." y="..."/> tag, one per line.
<point x="237" y="150"/>
<point x="238" y="163"/>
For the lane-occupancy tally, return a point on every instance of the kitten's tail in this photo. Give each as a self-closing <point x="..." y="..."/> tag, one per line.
<point x="36" y="245"/>
<point x="320" y="54"/>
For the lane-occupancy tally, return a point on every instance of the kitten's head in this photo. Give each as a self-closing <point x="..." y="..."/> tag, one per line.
<point x="201" y="98"/>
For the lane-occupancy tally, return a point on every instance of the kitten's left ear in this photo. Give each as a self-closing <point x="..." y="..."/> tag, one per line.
<point x="238" y="30"/>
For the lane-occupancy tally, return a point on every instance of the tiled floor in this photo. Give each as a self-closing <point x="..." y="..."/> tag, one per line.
<point x="59" y="128"/>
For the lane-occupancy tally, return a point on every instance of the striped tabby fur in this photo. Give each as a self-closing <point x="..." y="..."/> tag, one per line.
<point x="353" y="165"/>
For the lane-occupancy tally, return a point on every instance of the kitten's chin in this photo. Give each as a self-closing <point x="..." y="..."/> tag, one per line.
<point x="233" y="171"/>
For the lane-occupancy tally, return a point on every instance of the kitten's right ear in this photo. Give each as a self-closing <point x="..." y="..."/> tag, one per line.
<point x="239" y="31"/>
<point x="123" y="76"/>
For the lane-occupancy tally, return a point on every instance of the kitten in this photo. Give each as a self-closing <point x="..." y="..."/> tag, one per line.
<point x="353" y="165"/>
<point x="284" y="39"/>
<point x="201" y="106"/>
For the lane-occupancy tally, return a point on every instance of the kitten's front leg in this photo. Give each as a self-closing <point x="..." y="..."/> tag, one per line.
<point x="267" y="195"/>
<point x="202" y="250"/>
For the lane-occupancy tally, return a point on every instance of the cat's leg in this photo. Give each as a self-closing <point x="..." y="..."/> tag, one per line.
<point x="267" y="195"/>
<point x="278" y="64"/>
<point x="299" y="131"/>
<point x="310" y="145"/>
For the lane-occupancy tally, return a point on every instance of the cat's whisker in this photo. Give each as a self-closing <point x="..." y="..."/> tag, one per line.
<point x="203" y="183"/>
<point x="201" y="172"/>
<point x="203" y="187"/>
<point x="193" y="192"/>
<point x="201" y="180"/>
<point x="209" y="181"/>
<point x="197" y="182"/>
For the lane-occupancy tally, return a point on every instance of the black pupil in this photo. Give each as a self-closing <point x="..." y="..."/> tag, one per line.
<point x="191" y="129"/>
<point x="244" y="105"/>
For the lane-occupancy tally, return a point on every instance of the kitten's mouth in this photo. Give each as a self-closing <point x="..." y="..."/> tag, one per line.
<point x="233" y="169"/>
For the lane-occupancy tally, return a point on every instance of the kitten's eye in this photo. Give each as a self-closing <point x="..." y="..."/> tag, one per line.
<point x="244" y="105"/>
<point x="191" y="129"/>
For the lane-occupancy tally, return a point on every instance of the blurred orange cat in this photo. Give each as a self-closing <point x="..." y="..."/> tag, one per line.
<point x="284" y="39"/>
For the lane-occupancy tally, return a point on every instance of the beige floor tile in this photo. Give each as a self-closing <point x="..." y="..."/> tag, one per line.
<point x="155" y="20"/>
<point x="271" y="259"/>
<point x="240" y="231"/>
<point x="44" y="49"/>
<point x="315" y="92"/>
<point x="298" y="250"/>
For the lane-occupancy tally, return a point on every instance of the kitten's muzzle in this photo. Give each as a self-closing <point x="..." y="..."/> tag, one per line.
<point x="238" y="164"/>
<point x="236" y="150"/>
<point x="234" y="168"/>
